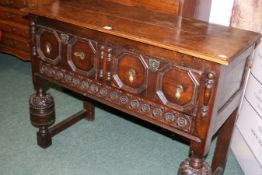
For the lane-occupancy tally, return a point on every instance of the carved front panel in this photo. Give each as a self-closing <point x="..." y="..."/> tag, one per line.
<point x="178" y="87"/>
<point x="130" y="72"/>
<point x="81" y="55"/>
<point x="48" y="45"/>
<point x="148" y="86"/>
<point x="117" y="97"/>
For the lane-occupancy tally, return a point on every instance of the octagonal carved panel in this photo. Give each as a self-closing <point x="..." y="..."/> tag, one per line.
<point x="178" y="87"/>
<point x="131" y="72"/>
<point x="81" y="56"/>
<point x="48" y="45"/>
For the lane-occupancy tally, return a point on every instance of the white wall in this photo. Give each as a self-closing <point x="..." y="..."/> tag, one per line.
<point x="221" y="11"/>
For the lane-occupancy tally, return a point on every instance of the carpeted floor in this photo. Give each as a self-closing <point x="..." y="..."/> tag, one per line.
<point x="111" y="145"/>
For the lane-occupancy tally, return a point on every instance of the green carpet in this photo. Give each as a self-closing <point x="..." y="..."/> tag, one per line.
<point x="111" y="145"/>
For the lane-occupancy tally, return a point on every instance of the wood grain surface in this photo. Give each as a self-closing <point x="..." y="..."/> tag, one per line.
<point x="193" y="37"/>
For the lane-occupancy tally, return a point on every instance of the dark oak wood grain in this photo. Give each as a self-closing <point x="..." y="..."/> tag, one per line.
<point x="207" y="41"/>
<point x="11" y="15"/>
<point x="180" y="74"/>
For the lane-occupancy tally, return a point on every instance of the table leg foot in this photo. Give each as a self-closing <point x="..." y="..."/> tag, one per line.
<point x="42" y="115"/>
<point x="194" y="166"/>
<point x="44" y="139"/>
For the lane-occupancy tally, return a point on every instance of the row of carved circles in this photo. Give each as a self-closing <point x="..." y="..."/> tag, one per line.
<point x="158" y="113"/>
<point x="62" y="75"/>
<point x="116" y="96"/>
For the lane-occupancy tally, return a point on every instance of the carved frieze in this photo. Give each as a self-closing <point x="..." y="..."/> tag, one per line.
<point x="149" y="109"/>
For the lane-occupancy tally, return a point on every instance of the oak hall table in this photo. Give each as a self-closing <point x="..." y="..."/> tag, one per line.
<point x="180" y="74"/>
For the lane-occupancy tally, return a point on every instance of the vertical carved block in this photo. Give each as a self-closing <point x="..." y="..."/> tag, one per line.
<point x="101" y="61"/>
<point x="33" y="32"/>
<point x="108" y="64"/>
<point x="208" y="93"/>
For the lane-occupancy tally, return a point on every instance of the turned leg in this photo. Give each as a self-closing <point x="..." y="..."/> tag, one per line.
<point x="222" y="145"/>
<point x="194" y="166"/>
<point x="42" y="115"/>
<point x="90" y="111"/>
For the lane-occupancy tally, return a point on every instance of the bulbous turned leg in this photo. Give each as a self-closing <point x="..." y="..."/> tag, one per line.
<point x="194" y="166"/>
<point x="42" y="115"/>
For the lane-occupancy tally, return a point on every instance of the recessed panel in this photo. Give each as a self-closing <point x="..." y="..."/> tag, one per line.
<point x="48" y="45"/>
<point x="172" y="81"/>
<point x="131" y="72"/>
<point x="178" y="87"/>
<point x="81" y="57"/>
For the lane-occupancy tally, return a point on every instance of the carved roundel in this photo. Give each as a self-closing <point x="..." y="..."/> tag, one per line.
<point x="81" y="56"/>
<point x="178" y="87"/>
<point x="130" y="72"/>
<point x="48" y="45"/>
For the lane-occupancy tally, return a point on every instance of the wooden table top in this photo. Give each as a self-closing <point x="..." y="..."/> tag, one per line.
<point x="193" y="37"/>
